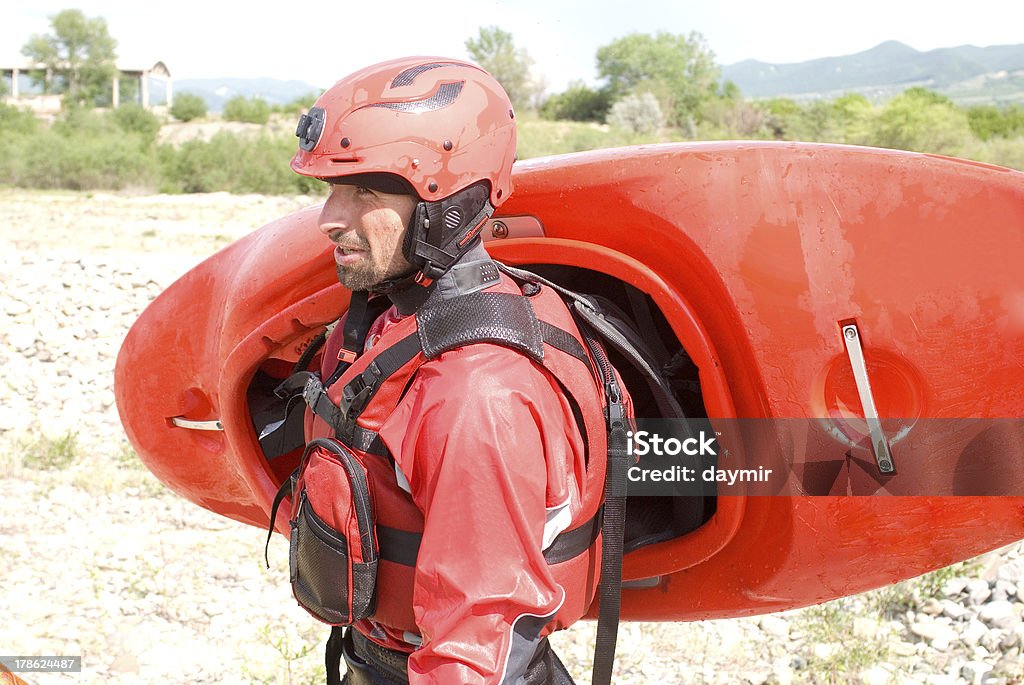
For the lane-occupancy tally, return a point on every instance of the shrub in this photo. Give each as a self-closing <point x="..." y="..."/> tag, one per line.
<point x="16" y="121"/>
<point x="188" y="106"/>
<point x="132" y="118"/>
<point x="250" y="110"/>
<point x="578" y="103"/>
<point x="237" y="164"/>
<point x="297" y="106"/>
<point x="637" y="114"/>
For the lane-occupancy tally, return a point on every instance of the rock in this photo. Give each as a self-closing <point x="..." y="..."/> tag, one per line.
<point x="979" y="595"/>
<point x="992" y="639"/>
<point x="865" y="628"/>
<point x="775" y="626"/>
<point x="825" y="650"/>
<point x="16" y="307"/>
<point x="940" y="679"/>
<point x="974" y="672"/>
<point x="1007" y="587"/>
<point x="938" y="635"/>
<point x="932" y="607"/>
<point x="954" y="586"/>
<point x="876" y="675"/>
<point x="973" y="632"/>
<point x="953" y="610"/>
<point x="902" y="648"/>
<point x="1011" y="572"/>
<point x="22" y="337"/>
<point x="999" y="614"/>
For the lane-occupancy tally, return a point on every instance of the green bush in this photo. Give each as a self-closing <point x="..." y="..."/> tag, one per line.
<point x="132" y="118"/>
<point x="989" y="122"/>
<point x="15" y="121"/>
<point x="298" y="105"/>
<point x="922" y="121"/>
<point x="77" y="160"/>
<point x="253" y="110"/>
<point x="237" y="164"/>
<point x="578" y="102"/>
<point x="188" y="106"/>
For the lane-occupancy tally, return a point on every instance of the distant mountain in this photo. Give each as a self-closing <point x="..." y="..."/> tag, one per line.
<point x="216" y="91"/>
<point x="967" y="74"/>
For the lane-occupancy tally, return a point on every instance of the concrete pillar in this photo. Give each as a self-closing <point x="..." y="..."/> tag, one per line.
<point x="116" y="99"/>
<point x="14" y="82"/>
<point x="144" y="89"/>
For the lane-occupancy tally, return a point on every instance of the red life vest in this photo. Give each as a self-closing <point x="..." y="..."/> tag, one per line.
<point x="354" y="407"/>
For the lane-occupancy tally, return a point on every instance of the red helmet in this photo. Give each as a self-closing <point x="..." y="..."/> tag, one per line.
<point x="441" y="124"/>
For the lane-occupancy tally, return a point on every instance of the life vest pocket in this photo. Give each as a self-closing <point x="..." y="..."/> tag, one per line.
<point x="333" y="549"/>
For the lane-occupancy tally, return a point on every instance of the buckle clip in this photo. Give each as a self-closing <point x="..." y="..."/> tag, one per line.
<point x="359" y="390"/>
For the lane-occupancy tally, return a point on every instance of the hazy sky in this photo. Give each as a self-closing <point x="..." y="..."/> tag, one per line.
<point x="318" y="42"/>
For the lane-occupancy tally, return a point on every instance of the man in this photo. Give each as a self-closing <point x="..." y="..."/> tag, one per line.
<point x="480" y="444"/>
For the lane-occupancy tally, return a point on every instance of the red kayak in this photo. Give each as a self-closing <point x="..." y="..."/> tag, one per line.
<point x="872" y="298"/>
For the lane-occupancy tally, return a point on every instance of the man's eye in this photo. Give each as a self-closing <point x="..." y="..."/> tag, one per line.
<point x="366" y="192"/>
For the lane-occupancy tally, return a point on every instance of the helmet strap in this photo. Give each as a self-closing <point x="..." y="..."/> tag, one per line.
<point x="444" y="230"/>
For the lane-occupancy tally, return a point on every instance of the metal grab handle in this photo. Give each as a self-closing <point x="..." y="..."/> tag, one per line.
<point x="182" y="422"/>
<point x="879" y="443"/>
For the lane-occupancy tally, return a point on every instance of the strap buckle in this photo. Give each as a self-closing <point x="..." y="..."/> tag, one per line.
<point x="358" y="391"/>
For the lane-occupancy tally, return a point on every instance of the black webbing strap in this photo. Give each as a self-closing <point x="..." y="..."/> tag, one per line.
<point x="358" y="392"/>
<point x="287" y="489"/>
<point x="332" y="655"/>
<point x="362" y="312"/>
<point x="402" y="546"/>
<point x="566" y="342"/>
<point x="613" y="530"/>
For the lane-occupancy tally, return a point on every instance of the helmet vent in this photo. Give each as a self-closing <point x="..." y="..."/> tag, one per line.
<point x="409" y="75"/>
<point x="452" y="218"/>
<point x="446" y="94"/>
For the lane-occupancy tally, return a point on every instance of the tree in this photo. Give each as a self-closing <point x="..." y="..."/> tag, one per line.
<point x="79" y="52"/>
<point x="679" y="70"/>
<point x="494" y="50"/>
<point x="923" y="121"/>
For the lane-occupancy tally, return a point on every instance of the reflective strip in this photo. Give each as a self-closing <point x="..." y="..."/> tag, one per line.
<point x="556" y="519"/>
<point x="402" y="481"/>
<point x="526" y="629"/>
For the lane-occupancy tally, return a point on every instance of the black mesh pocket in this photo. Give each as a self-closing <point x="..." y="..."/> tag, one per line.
<point x="333" y="547"/>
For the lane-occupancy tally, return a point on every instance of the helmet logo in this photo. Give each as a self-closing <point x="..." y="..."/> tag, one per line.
<point x="310" y="128"/>
<point x="445" y="95"/>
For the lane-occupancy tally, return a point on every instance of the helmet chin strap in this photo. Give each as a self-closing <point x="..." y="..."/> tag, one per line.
<point x="444" y="230"/>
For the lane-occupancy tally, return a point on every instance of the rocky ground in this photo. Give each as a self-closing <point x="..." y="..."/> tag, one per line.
<point x="99" y="560"/>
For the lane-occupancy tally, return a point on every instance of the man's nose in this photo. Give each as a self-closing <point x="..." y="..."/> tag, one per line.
<point x="334" y="216"/>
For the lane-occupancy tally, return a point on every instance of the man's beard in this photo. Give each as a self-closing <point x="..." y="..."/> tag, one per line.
<point x="361" y="277"/>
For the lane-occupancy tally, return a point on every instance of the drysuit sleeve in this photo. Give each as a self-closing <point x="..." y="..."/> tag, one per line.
<point x="490" y="448"/>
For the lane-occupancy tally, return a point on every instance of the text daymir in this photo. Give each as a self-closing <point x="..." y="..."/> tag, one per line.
<point x="686" y="474"/>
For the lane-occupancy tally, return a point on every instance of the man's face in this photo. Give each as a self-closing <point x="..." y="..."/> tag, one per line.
<point x="367" y="228"/>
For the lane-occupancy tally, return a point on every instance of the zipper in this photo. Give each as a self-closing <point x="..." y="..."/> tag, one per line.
<point x="615" y="412"/>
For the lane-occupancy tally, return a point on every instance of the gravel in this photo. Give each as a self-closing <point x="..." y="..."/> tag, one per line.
<point x="102" y="561"/>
